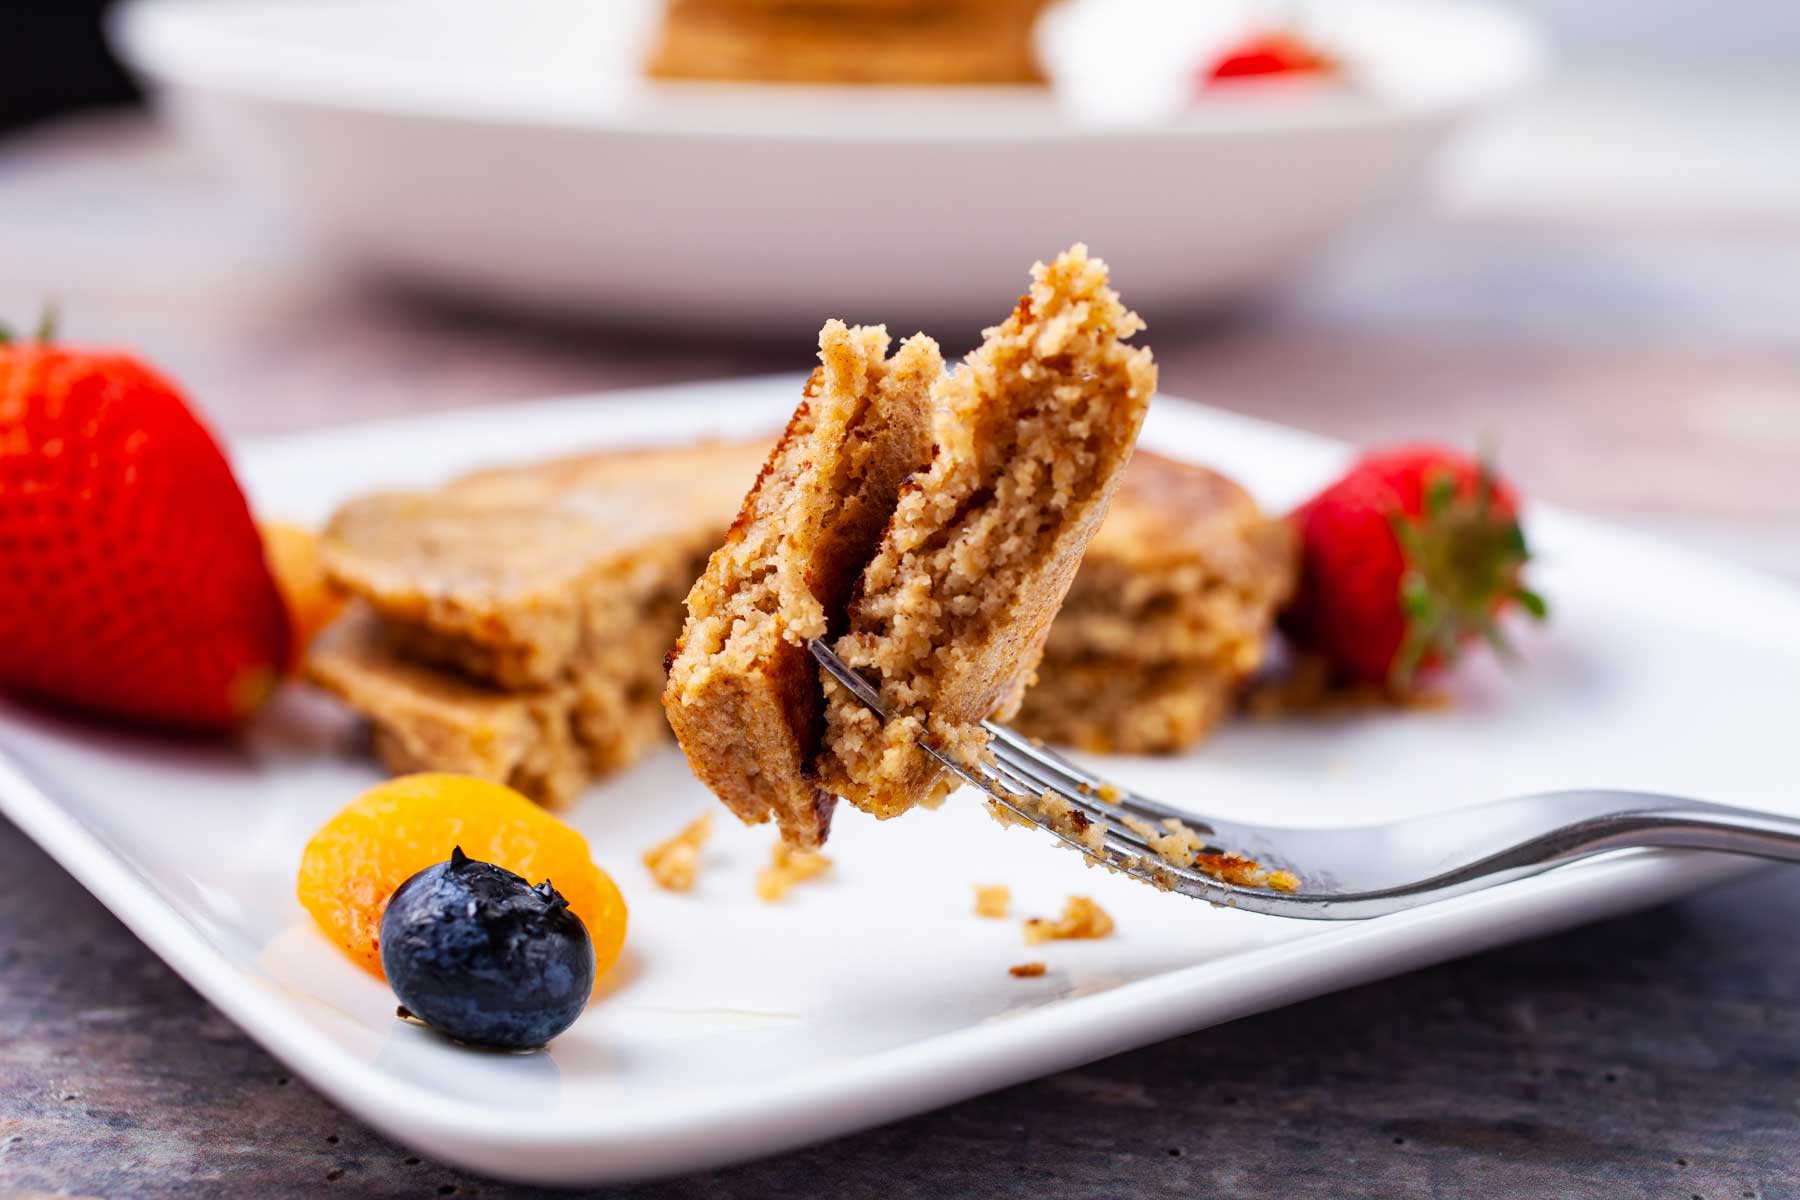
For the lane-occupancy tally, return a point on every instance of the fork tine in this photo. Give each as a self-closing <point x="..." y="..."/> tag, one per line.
<point x="1124" y="851"/>
<point x="840" y="670"/>
<point x="1049" y="762"/>
<point x="1092" y="801"/>
<point x="1359" y="871"/>
<point x="871" y="699"/>
<point x="865" y="692"/>
<point x="1128" y="848"/>
<point x="1119" y="838"/>
<point x="1018" y="776"/>
<point x="1073" y="779"/>
<point x="1011" y="778"/>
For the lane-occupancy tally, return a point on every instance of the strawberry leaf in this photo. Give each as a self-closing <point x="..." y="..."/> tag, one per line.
<point x="49" y="323"/>
<point x="1496" y="638"/>
<point x="1464" y="553"/>
<point x="1440" y="494"/>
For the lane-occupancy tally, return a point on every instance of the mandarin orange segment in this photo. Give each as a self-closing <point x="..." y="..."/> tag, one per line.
<point x="312" y="601"/>
<point x="391" y="832"/>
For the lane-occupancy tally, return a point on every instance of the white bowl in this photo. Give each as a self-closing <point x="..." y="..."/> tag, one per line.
<point x="511" y="150"/>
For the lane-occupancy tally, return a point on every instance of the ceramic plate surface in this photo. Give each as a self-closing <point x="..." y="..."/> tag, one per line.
<point x="510" y="149"/>
<point x="735" y="1028"/>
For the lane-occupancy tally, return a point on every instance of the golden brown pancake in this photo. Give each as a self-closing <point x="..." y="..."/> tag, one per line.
<point x="844" y="42"/>
<point x="1170" y="611"/>
<point x="1031" y="434"/>
<point x="513" y="624"/>
<point x="743" y="694"/>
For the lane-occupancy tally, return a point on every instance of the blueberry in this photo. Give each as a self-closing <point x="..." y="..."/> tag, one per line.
<point x="479" y="954"/>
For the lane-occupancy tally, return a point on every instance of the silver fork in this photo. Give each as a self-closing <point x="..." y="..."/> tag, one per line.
<point x="1357" y="871"/>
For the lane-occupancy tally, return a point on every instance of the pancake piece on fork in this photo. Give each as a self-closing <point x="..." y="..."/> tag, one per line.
<point x="743" y="693"/>
<point x="1031" y="434"/>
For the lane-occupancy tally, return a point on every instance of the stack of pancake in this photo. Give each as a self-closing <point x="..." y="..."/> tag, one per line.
<point x="512" y="625"/>
<point x="1171" y="610"/>
<point x="850" y="41"/>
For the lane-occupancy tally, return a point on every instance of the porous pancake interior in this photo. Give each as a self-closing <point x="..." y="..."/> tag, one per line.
<point x="1031" y="434"/>
<point x="742" y="695"/>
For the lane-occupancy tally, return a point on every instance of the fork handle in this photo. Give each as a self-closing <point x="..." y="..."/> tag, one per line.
<point x="1602" y="821"/>
<point x="1691" y="825"/>
<point x="1535" y="833"/>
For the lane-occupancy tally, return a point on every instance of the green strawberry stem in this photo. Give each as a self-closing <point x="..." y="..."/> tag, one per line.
<point x="49" y="322"/>
<point x="1463" y="562"/>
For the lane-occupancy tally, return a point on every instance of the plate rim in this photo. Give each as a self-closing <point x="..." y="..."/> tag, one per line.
<point x="823" y="1102"/>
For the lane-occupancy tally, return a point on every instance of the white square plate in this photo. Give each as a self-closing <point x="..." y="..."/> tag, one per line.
<point x="735" y="1028"/>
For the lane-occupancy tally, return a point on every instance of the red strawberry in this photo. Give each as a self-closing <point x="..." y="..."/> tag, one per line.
<point x="132" y="579"/>
<point x="1413" y="553"/>
<point x="1265" y="54"/>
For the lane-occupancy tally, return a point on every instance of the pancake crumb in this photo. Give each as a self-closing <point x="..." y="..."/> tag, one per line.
<point x="1180" y="845"/>
<point x="1028" y="970"/>
<point x="992" y="899"/>
<point x="1081" y="918"/>
<point x="1246" y="872"/>
<point x="788" y="865"/>
<point x="1057" y="813"/>
<point x="674" y="863"/>
<point x="1175" y="842"/>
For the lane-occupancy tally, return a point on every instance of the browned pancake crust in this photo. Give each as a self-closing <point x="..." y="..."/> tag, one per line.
<point x="743" y="695"/>
<point x="506" y="574"/>
<point x="427" y="719"/>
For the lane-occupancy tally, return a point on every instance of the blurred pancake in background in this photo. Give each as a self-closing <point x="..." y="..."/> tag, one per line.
<point x="850" y="41"/>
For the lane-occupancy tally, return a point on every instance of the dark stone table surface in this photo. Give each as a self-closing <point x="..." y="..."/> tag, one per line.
<point x="1645" y="367"/>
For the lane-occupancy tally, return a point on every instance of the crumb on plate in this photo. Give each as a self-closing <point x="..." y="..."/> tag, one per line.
<point x="992" y="899"/>
<point x="788" y="865"/>
<point x="674" y="863"/>
<point x="1081" y="918"/>
<point x="1029" y="970"/>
